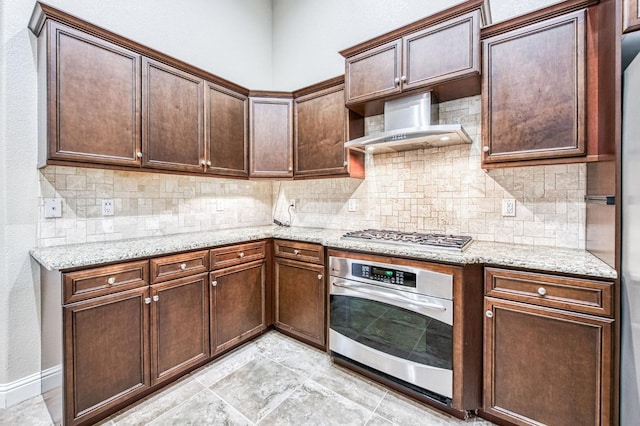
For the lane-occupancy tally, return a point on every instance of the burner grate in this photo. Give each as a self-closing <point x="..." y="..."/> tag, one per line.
<point x="430" y="240"/>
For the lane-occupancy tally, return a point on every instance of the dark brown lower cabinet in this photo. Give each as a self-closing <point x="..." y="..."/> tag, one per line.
<point x="179" y="326"/>
<point x="300" y="300"/>
<point x="546" y="366"/>
<point x="237" y="304"/>
<point x="107" y="347"/>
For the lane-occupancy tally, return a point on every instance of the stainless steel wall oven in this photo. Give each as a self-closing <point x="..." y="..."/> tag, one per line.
<point x="394" y="320"/>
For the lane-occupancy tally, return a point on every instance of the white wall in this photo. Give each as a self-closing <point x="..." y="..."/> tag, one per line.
<point x="231" y="38"/>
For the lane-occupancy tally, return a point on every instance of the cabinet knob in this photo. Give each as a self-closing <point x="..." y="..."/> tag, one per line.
<point x="111" y="280"/>
<point x="403" y="78"/>
<point x="147" y="300"/>
<point x="209" y="163"/>
<point x="202" y="162"/>
<point x="542" y="291"/>
<point x="296" y="252"/>
<point x="319" y="276"/>
<point x="241" y="254"/>
<point x="396" y="80"/>
<point x="183" y="266"/>
<point x="345" y="164"/>
<point x="214" y="283"/>
<point x="485" y="149"/>
<point x="290" y="168"/>
<point x="139" y="155"/>
<point x="156" y="298"/>
<point x="489" y="314"/>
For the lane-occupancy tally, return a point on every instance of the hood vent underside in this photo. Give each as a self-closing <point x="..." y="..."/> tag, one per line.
<point x="407" y="126"/>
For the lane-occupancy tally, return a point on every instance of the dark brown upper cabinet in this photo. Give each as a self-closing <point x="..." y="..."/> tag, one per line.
<point x="92" y="105"/>
<point x="322" y="125"/>
<point x="534" y="91"/>
<point x="271" y="136"/>
<point x="631" y="15"/>
<point x="548" y="86"/>
<point x="227" y="131"/>
<point x="173" y="125"/>
<point x="441" y="52"/>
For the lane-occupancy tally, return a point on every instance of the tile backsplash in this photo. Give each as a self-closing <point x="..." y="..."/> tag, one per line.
<point x="445" y="190"/>
<point x="428" y="190"/>
<point x="146" y="204"/>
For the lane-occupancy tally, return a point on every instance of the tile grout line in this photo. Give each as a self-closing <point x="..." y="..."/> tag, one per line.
<point x="230" y="406"/>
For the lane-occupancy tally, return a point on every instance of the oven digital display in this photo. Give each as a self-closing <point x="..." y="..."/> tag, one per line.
<point x="385" y="275"/>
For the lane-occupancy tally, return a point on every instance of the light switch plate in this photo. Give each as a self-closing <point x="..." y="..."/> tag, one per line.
<point x="52" y="207"/>
<point x="352" y="206"/>
<point x="220" y="204"/>
<point x="508" y="207"/>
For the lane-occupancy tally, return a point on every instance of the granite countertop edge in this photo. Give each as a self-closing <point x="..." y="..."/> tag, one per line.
<point x="549" y="259"/>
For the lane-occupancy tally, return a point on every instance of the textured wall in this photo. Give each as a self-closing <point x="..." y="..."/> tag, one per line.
<point x="445" y="190"/>
<point x="146" y="204"/>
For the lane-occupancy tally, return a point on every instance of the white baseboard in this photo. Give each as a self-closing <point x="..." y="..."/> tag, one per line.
<point x="28" y="387"/>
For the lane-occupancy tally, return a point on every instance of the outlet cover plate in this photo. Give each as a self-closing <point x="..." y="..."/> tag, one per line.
<point x="52" y="207"/>
<point x="352" y="206"/>
<point x="108" y="207"/>
<point x="508" y="207"/>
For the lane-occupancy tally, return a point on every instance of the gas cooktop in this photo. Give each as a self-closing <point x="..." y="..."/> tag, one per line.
<point x="433" y="241"/>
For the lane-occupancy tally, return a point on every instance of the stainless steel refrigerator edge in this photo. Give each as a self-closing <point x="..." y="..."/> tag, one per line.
<point x="630" y="291"/>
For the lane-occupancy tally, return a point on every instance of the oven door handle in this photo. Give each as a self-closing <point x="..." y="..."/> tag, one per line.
<point x="365" y="289"/>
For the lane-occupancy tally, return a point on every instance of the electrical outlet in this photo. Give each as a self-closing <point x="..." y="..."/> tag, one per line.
<point x="108" y="207"/>
<point x="220" y="204"/>
<point x="52" y="207"/>
<point x="352" y="205"/>
<point x="293" y="203"/>
<point x="508" y="207"/>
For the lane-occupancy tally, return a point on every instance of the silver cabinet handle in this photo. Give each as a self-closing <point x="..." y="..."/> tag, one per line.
<point x="345" y="164"/>
<point x="290" y="168"/>
<point x="542" y="291"/>
<point x="214" y="283"/>
<point x="489" y="314"/>
<point x="156" y="298"/>
<point x="139" y="155"/>
<point x="183" y="266"/>
<point x="147" y="300"/>
<point x="209" y="163"/>
<point x="319" y="276"/>
<point x="202" y="162"/>
<point x="485" y="148"/>
<point x="403" y="78"/>
<point x="396" y="80"/>
<point x="241" y="254"/>
<point x="296" y="252"/>
<point x="111" y="280"/>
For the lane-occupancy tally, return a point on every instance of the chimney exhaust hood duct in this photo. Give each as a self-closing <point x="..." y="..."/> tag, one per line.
<point x="407" y="126"/>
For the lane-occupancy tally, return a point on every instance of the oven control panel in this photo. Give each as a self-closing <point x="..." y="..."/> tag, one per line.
<point x="384" y="275"/>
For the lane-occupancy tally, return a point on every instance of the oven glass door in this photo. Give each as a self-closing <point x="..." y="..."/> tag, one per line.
<point x="393" y="330"/>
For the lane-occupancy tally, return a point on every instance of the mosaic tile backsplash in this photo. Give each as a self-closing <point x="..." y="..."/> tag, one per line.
<point x="429" y="190"/>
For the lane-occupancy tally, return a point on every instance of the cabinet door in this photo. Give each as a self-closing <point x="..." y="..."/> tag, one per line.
<point x="320" y="134"/>
<point x="546" y="366"/>
<point x="442" y="52"/>
<point x="227" y="138"/>
<point x="106" y="345"/>
<point x="237" y="304"/>
<point x="300" y="300"/>
<point x="631" y="15"/>
<point x="172" y="125"/>
<point x="271" y="137"/>
<point x="93" y="99"/>
<point x="534" y="81"/>
<point x="179" y="326"/>
<point x="374" y="73"/>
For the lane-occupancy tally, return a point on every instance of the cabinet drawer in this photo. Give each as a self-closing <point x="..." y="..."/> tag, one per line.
<point x="579" y="295"/>
<point x="233" y="255"/>
<point x="303" y="252"/>
<point x="179" y="265"/>
<point x="81" y="285"/>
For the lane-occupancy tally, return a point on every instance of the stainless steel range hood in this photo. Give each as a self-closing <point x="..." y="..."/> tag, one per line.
<point x="407" y="126"/>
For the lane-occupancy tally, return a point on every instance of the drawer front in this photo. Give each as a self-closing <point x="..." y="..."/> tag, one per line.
<point x="304" y="252"/>
<point x="94" y="282"/>
<point x="179" y="265"/>
<point x="234" y="255"/>
<point x="575" y="294"/>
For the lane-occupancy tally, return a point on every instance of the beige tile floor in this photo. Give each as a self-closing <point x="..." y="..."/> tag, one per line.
<point x="273" y="380"/>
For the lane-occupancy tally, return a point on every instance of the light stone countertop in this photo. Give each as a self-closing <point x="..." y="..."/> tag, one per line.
<point x="550" y="259"/>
